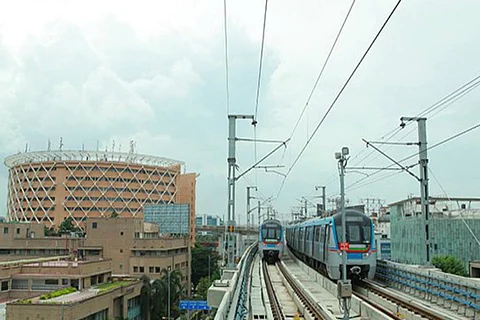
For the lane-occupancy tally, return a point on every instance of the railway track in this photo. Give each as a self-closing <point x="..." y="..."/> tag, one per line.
<point x="308" y="304"/>
<point x="403" y="306"/>
<point x="272" y="296"/>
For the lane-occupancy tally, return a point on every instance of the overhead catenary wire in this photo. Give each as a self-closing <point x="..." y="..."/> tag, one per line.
<point x="439" y="106"/>
<point x="322" y="69"/>
<point x="449" y="199"/>
<point x="260" y="67"/>
<point x="417" y="153"/>
<point x="225" y="38"/>
<point x="338" y="95"/>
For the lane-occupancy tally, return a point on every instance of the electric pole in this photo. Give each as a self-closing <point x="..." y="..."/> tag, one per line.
<point x="248" y="204"/>
<point x="231" y="185"/>
<point x="344" y="286"/>
<point x="424" y="191"/>
<point x="324" y="199"/>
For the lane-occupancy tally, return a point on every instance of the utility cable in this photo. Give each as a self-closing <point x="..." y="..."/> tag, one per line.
<point x="261" y="59"/>
<point x="461" y="217"/>
<point x="226" y="55"/>
<point x="322" y="69"/>
<point x="417" y="153"/>
<point x="443" y="103"/>
<point x="258" y="87"/>
<point x="338" y="95"/>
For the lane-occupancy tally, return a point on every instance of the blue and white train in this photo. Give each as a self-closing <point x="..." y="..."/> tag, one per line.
<point x="316" y="241"/>
<point x="271" y="241"/>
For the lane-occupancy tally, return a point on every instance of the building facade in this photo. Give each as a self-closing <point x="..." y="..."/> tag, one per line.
<point x="187" y="185"/>
<point x="134" y="248"/>
<point x="454" y="226"/>
<point x="49" y="186"/>
<point x="92" y="293"/>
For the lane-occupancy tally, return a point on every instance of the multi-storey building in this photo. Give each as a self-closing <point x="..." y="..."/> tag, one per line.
<point x="93" y="294"/>
<point x="49" y="186"/>
<point x="454" y="226"/>
<point x="134" y="248"/>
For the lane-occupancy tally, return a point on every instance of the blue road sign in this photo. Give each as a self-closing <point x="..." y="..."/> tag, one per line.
<point x="194" y="305"/>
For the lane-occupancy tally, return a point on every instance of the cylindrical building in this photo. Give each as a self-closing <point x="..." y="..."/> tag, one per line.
<point x="50" y="186"/>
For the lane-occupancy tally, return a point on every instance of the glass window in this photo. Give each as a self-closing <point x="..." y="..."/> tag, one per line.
<point x="94" y="225"/>
<point x="5" y="230"/>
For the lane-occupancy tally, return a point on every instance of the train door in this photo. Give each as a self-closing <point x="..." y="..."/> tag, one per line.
<point x="309" y="241"/>
<point x="302" y="240"/>
<point x="324" y="242"/>
<point x="328" y="241"/>
<point x="316" y="243"/>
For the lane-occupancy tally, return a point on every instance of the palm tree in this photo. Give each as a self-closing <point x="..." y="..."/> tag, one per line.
<point x="146" y="297"/>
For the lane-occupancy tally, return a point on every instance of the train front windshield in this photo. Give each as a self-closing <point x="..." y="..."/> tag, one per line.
<point x="271" y="232"/>
<point x="359" y="230"/>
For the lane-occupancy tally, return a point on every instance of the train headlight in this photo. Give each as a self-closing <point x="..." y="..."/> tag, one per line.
<point x="366" y="254"/>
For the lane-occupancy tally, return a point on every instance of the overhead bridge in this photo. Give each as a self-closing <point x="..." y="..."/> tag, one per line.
<point x="221" y="229"/>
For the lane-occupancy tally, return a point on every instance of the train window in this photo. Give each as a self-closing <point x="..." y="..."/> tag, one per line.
<point x="271" y="232"/>
<point x="317" y="233"/>
<point x="356" y="233"/>
<point x="322" y="234"/>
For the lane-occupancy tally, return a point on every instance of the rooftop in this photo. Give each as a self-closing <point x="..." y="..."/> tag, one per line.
<point x="68" y="295"/>
<point x="435" y="199"/>
<point x="92" y="156"/>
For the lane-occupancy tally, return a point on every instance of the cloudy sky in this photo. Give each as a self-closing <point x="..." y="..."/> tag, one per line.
<point x="154" y="71"/>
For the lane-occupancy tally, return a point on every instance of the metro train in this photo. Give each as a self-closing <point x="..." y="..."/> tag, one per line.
<point x="316" y="241"/>
<point x="271" y="241"/>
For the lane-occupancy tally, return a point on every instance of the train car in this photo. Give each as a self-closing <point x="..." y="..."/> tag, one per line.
<point x="316" y="242"/>
<point x="271" y="240"/>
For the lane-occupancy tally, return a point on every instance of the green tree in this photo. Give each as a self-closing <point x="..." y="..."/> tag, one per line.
<point x="450" y="264"/>
<point x="49" y="232"/>
<point x="203" y="261"/>
<point x="114" y="214"/>
<point x="67" y="226"/>
<point x="145" y="297"/>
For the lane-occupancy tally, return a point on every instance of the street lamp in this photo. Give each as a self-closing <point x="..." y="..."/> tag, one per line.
<point x="168" y="307"/>
<point x="344" y="286"/>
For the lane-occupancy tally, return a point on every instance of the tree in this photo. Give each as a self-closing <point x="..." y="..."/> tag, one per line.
<point x="49" y="232"/>
<point x="145" y="297"/>
<point x="203" y="259"/>
<point x="67" y="226"/>
<point x="154" y="296"/>
<point x="450" y="264"/>
<point x="114" y="214"/>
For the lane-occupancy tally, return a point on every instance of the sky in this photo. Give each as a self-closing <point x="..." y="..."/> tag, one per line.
<point x="154" y="72"/>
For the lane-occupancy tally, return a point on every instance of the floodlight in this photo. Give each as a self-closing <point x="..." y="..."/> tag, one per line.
<point x="338" y="155"/>
<point x="345" y="151"/>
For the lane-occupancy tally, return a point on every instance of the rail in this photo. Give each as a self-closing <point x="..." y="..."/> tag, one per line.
<point x="310" y="305"/>
<point x="396" y="299"/>
<point x="274" y="303"/>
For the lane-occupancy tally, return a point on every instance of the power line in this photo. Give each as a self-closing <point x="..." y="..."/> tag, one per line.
<point x="261" y="58"/>
<point x="417" y="153"/>
<point x="444" y="102"/>
<point x="226" y="54"/>
<point x="339" y="94"/>
<point x="452" y="95"/>
<point x="258" y="88"/>
<point x="322" y="69"/>
<point x="449" y="199"/>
